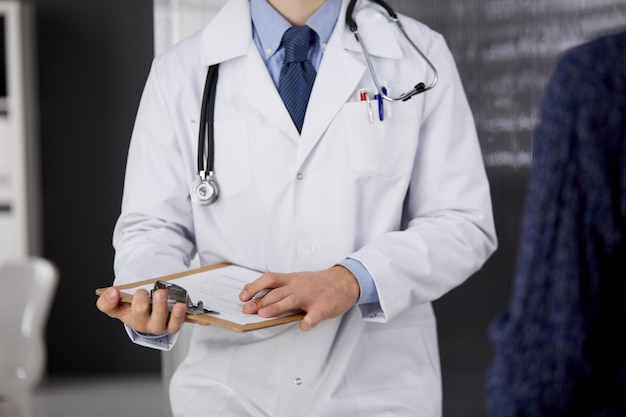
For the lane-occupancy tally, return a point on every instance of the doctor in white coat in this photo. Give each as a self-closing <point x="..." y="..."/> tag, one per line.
<point x="359" y="222"/>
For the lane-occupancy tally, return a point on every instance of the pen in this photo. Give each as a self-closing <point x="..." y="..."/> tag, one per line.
<point x="381" y="110"/>
<point x="261" y="293"/>
<point x="365" y="98"/>
<point x="389" y="106"/>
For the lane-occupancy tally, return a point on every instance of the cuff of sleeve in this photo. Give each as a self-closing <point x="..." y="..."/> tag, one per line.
<point x="369" y="294"/>
<point x="163" y="341"/>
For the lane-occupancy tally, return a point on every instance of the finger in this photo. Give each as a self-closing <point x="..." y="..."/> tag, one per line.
<point x="159" y="314"/>
<point x="279" y="305"/>
<point x="310" y="321"/>
<point x="262" y="299"/>
<point x="141" y="303"/>
<point x="159" y="304"/>
<point x="250" y="307"/>
<point x="177" y="318"/>
<point x="140" y="310"/>
<point x="265" y="281"/>
<point x="265" y="298"/>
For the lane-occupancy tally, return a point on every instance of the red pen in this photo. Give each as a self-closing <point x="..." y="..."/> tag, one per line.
<point x="364" y="97"/>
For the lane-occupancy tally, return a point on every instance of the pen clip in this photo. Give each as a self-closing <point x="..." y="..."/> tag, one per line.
<point x="388" y="106"/>
<point x="381" y="105"/>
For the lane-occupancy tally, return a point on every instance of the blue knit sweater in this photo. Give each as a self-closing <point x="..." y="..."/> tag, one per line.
<point x="560" y="348"/>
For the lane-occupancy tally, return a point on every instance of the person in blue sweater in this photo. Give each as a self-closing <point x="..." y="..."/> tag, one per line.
<point x="560" y="348"/>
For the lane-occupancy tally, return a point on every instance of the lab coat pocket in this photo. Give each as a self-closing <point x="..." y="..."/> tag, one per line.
<point x="382" y="149"/>
<point x="394" y="364"/>
<point x="232" y="157"/>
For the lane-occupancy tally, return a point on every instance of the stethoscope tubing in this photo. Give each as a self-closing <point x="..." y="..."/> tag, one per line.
<point x="206" y="123"/>
<point x="350" y="13"/>
<point x="352" y="25"/>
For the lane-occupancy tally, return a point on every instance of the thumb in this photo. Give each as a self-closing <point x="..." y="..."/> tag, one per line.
<point x="109" y="301"/>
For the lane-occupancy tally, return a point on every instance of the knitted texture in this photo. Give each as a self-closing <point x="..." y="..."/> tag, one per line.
<point x="560" y="348"/>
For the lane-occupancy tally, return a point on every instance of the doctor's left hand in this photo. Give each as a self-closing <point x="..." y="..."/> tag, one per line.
<point x="321" y="295"/>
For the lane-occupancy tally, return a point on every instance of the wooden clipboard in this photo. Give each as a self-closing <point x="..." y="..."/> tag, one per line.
<point x="206" y="318"/>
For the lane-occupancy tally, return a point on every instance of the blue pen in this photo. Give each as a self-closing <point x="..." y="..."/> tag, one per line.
<point x="389" y="106"/>
<point x="381" y="110"/>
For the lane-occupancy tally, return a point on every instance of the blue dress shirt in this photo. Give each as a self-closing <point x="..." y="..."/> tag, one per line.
<point x="268" y="27"/>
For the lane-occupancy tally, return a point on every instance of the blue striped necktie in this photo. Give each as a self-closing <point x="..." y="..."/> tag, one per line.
<point x="297" y="75"/>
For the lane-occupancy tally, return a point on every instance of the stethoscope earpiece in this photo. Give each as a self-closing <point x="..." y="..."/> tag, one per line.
<point x="204" y="191"/>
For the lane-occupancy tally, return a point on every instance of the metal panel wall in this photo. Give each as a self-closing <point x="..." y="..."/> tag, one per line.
<point x="505" y="51"/>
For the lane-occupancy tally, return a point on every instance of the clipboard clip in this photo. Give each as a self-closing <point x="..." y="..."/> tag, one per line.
<point x="177" y="294"/>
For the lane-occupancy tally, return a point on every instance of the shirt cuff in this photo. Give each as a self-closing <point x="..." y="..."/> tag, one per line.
<point x="163" y="341"/>
<point x="369" y="294"/>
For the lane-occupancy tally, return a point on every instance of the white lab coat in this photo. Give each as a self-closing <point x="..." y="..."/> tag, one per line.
<point x="408" y="197"/>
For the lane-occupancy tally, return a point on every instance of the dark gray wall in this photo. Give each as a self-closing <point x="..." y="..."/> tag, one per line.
<point x="93" y="59"/>
<point x="505" y="50"/>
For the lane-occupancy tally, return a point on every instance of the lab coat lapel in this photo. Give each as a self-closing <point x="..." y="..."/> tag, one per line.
<point x="337" y="78"/>
<point x="229" y="37"/>
<point x="255" y="85"/>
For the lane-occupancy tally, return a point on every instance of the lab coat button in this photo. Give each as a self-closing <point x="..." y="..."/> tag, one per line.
<point x="298" y="381"/>
<point x="313" y="248"/>
<point x="299" y="176"/>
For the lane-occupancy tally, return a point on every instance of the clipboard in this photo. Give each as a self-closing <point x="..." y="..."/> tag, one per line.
<point x="217" y="287"/>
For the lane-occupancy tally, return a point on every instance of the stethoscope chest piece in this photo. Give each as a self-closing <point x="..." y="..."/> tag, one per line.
<point x="204" y="191"/>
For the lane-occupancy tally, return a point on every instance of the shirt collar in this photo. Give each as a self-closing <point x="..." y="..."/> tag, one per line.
<point x="269" y="25"/>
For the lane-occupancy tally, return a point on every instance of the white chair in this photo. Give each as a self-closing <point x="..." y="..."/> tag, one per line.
<point x="27" y="287"/>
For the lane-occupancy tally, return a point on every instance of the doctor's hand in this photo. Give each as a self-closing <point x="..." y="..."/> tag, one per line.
<point x="321" y="295"/>
<point x="141" y="315"/>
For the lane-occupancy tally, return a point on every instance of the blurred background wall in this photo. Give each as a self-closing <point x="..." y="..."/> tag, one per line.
<point x="93" y="59"/>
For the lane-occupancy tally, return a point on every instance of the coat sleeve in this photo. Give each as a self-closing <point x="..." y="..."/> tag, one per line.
<point x="153" y="235"/>
<point x="449" y="230"/>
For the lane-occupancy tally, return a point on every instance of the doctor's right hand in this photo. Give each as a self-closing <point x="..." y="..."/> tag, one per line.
<point x="141" y="315"/>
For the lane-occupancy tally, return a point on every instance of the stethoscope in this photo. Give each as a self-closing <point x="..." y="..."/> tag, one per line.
<point x="204" y="190"/>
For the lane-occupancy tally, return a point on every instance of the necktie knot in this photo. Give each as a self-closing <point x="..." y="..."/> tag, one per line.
<point x="297" y="74"/>
<point x="296" y="41"/>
